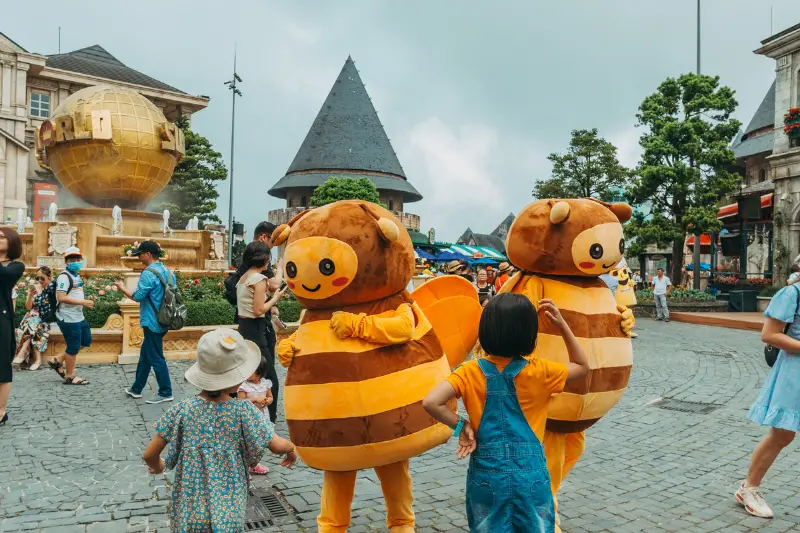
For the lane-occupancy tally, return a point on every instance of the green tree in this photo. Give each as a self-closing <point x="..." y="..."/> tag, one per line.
<point x="192" y="191"/>
<point x="338" y="188"/>
<point x="590" y="168"/>
<point x="683" y="172"/>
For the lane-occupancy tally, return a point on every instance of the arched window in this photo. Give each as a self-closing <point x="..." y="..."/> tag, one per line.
<point x="762" y="175"/>
<point x="391" y="205"/>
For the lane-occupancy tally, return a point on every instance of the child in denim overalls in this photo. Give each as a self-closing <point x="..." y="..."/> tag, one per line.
<point x="506" y="397"/>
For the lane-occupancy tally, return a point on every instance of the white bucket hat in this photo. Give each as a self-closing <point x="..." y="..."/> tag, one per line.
<point x="224" y="359"/>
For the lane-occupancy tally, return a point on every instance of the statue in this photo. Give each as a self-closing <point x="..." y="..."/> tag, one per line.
<point x="52" y="212"/>
<point x="81" y="135"/>
<point x="20" y="220"/>
<point x="116" y="214"/>
<point x="165" y="228"/>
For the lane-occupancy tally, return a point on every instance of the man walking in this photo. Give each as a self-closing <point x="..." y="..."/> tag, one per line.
<point x="149" y="293"/>
<point x="662" y="286"/>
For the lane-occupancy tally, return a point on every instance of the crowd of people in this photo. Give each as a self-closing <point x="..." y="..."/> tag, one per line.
<point x="220" y="436"/>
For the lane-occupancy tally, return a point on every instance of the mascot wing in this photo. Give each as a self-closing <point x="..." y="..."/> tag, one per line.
<point x="451" y="305"/>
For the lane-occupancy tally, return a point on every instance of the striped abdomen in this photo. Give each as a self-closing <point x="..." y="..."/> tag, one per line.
<point x="351" y="404"/>
<point x="590" y="309"/>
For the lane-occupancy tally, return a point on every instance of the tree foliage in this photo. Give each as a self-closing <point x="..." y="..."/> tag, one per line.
<point x="590" y="168"/>
<point x="683" y="172"/>
<point x="192" y="191"/>
<point x="338" y="188"/>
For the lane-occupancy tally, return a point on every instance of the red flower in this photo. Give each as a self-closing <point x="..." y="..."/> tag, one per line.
<point x="197" y="282"/>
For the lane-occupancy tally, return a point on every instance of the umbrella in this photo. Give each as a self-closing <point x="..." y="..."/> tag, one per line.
<point x="704" y="267"/>
<point x="419" y="252"/>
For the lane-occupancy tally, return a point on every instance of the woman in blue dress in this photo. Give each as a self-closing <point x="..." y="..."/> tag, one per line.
<point x="778" y="404"/>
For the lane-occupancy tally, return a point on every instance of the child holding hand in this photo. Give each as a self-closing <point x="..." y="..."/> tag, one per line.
<point x="257" y="389"/>
<point x="506" y="396"/>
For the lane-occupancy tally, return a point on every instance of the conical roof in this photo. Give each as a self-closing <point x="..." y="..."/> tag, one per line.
<point x="346" y="139"/>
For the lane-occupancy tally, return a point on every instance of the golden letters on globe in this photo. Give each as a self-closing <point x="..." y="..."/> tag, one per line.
<point x="110" y="146"/>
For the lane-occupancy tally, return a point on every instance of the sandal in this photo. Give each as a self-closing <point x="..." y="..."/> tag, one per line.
<point x="259" y="470"/>
<point x="75" y="380"/>
<point x="57" y="366"/>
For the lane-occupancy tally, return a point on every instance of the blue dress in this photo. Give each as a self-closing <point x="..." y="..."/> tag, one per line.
<point x="508" y="485"/>
<point x="211" y="444"/>
<point x="778" y="404"/>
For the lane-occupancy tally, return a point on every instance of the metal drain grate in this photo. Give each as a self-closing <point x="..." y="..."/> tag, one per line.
<point x="686" y="407"/>
<point x="265" y="509"/>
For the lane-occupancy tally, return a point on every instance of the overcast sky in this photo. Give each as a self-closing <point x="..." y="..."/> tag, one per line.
<point x="473" y="94"/>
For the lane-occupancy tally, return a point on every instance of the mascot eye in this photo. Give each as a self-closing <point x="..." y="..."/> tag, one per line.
<point x="326" y="267"/>
<point x="622" y="246"/>
<point x="596" y="251"/>
<point x="291" y="269"/>
<point x="614" y="273"/>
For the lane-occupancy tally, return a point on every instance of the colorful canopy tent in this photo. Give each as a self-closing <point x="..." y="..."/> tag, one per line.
<point x="419" y="252"/>
<point x="470" y="252"/>
<point x="704" y="267"/>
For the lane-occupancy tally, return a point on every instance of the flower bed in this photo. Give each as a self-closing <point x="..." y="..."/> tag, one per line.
<point x="791" y="123"/>
<point x="677" y="295"/>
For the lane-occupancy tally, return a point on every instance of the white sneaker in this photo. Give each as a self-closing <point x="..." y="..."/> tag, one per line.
<point x="753" y="501"/>
<point x="132" y="394"/>
<point x="159" y="399"/>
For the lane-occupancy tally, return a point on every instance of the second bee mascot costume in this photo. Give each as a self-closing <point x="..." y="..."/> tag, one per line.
<point x="561" y="247"/>
<point x="366" y="353"/>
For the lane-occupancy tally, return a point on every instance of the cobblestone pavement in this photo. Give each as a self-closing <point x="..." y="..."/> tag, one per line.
<point x="70" y="458"/>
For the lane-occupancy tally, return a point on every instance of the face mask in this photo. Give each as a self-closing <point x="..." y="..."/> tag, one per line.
<point x="75" y="267"/>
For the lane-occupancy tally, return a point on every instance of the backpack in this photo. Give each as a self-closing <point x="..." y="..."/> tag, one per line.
<point x="230" y="288"/>
<point x="172" y="314"/>
<point x="771" y="352"/>
<point x="52" y="301"/>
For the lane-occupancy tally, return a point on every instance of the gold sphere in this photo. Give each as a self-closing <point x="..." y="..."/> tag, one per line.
<point x="110" y="146"/>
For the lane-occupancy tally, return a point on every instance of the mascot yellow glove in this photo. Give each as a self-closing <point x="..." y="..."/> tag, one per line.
<point x="286" y="350"/>
<point x="628" y="321"/>
<point x="394" y="328"/>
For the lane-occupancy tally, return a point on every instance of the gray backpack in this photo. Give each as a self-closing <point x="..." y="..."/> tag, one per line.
<point x="172" y="314"/>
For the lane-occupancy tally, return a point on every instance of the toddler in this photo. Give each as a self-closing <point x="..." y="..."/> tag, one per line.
<point x="257" y="389"/>
<point x="213" y="438"/>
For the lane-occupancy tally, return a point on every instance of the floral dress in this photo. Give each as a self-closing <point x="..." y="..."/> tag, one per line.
<point x="210" y="446"/>
<point x="778" y="404"/>
<point x="32" y="325"/>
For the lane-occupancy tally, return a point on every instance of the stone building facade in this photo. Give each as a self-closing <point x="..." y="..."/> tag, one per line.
<point x="31" y="87"/>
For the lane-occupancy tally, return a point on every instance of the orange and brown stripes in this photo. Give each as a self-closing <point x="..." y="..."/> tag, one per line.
<point x="339" y="367"/>
<point x="370" y="308"/>
<point x="588" y="326"/>
<point x="604" y="379"/>
<point x="357" y="431"/>
<point x="566" y="426"/>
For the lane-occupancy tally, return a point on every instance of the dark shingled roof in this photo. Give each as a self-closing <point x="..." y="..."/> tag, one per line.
<point x="96" y="61"/>
<point x="504" y="225"/>
<point x="482" y="239"/>
<point x="346" y="139"/>
<point x="763" y="118"/>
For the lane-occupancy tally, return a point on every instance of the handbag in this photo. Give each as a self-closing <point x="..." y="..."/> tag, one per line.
<point x="771" y="352"/>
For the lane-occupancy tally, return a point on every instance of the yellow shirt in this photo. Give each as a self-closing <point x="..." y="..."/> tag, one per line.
<point x="535" y="384"/>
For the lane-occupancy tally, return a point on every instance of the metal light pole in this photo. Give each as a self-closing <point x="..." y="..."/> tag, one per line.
<point x="235" y="92"/>
<point x="697" y="234"/>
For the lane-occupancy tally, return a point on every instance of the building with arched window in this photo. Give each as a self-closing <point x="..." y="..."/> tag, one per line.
<point x="346" y="139"/>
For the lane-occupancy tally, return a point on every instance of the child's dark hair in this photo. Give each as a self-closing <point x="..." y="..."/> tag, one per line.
<point x="213" y="393"/>
<point x="509" y="326"/>
<point x="263" y="367"/>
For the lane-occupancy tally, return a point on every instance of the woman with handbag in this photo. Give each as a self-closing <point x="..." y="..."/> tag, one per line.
<point x="778" y="404"/>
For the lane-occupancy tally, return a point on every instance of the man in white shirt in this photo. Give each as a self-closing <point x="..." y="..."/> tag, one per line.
<point x="662" y="286"/>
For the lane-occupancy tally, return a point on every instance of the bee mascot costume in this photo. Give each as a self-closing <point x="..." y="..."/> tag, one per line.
<point x="366" y="353"/>
<point x="561" y="247"/>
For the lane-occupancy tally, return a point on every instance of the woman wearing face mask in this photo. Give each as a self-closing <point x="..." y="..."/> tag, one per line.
<point x="10" y="272"/>
<point x="73" y="326"/>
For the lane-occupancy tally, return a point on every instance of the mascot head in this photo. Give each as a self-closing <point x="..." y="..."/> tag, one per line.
<point x="568" y="237"/>
<point x="345" y="253"/>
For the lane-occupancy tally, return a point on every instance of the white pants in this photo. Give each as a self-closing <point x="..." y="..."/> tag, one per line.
<point x="661" y="306"/>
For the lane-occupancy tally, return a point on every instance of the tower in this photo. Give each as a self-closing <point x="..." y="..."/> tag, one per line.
<point x="346" y="139"/>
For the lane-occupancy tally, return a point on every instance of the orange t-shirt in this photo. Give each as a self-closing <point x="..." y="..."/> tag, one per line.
<point x="500" y="281"/>
<point x="535" y="384"/>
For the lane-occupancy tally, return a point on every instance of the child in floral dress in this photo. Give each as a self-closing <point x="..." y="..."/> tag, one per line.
<point x="257" y="389"/>
<point x="213" y="437"/>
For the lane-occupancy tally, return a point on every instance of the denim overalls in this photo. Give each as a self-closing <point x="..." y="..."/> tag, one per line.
<point x="508" y="486"/>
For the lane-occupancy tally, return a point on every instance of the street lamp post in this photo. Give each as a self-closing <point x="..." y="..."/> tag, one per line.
<point x="234" y="93"/>
<point x="697" y="234"/>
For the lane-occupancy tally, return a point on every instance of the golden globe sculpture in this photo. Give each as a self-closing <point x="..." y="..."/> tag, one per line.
<point x="110" y="146"/>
